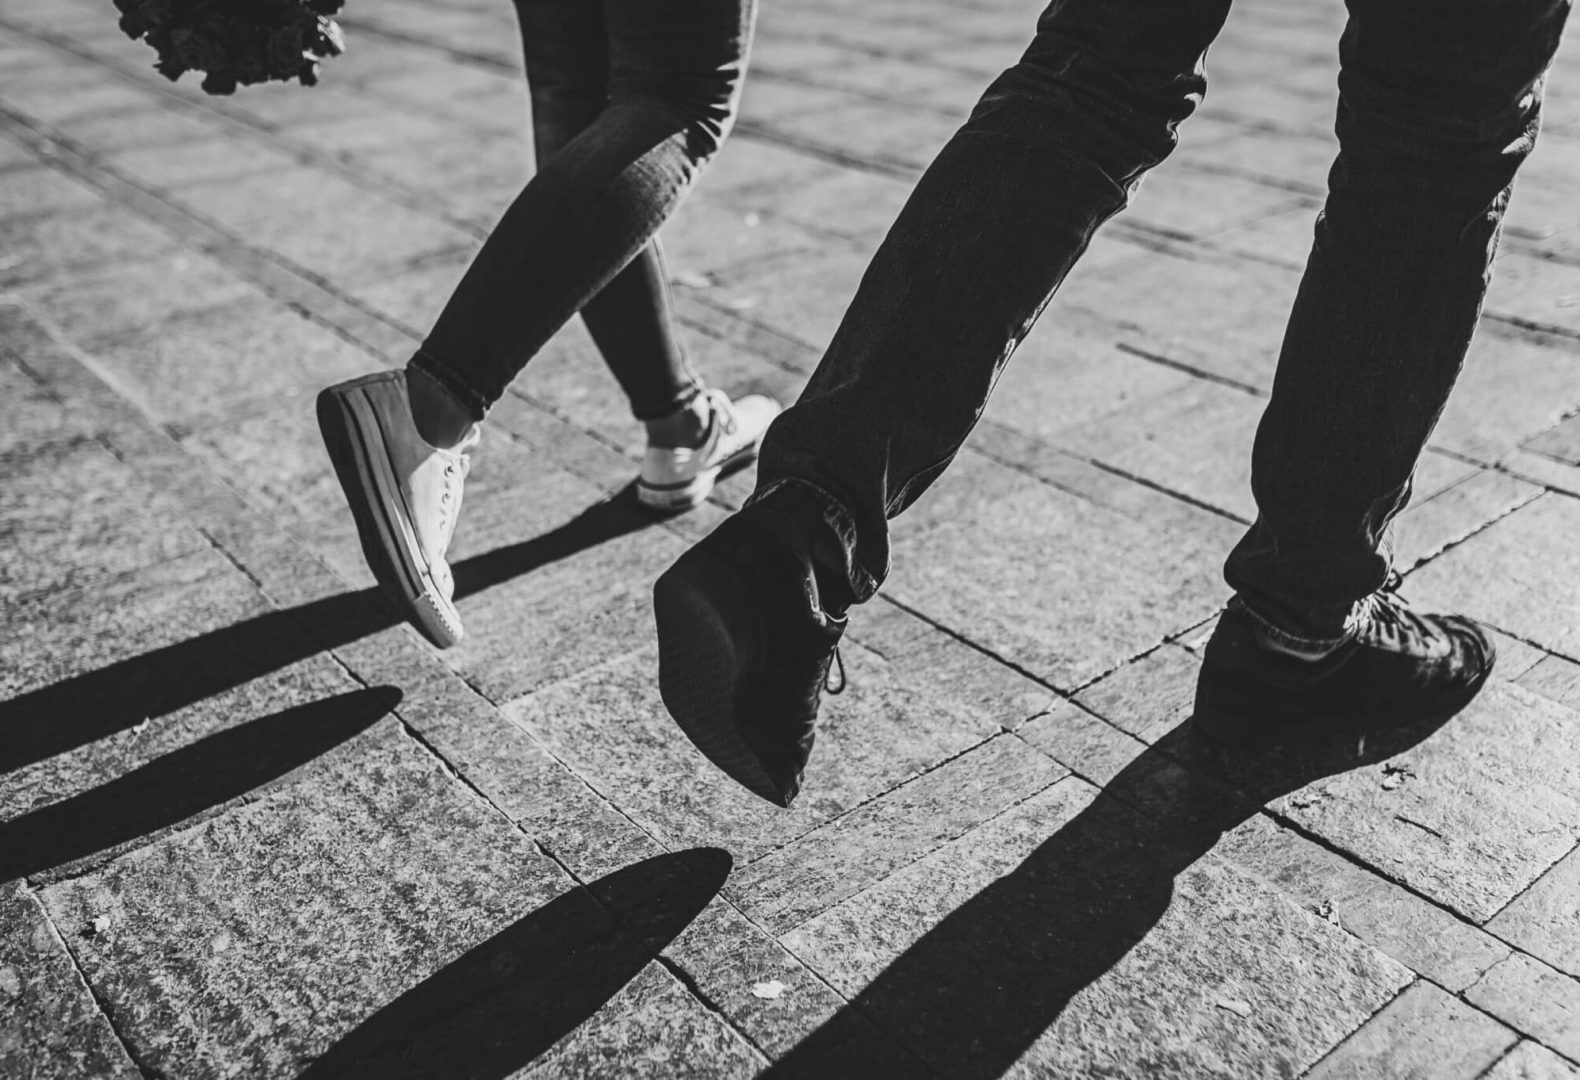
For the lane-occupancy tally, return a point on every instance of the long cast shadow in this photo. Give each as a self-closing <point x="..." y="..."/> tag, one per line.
<point x="973" y="994"/>
<point x="505" y="1002"/>
<point x="185" y="782"/>
<point x="79" y="710"/>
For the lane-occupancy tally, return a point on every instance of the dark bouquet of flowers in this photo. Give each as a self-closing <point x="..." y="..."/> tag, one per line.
<point x="236" y="42"/>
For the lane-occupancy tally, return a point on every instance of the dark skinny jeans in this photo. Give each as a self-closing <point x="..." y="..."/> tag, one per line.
<point x="1438" y="105"/>
<point x="630" y="98"/>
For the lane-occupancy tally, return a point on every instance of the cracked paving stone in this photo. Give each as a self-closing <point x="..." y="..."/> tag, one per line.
<point x="1545" y="919"/>
<point x="1533" y="1061"/>
<point x="1424" y="1034"/>
<point x="1535" y="999"/>
<point x="1394" y="920"/>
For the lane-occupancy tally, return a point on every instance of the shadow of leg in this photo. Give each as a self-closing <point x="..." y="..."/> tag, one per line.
<point x="186" y="782"/>
<point x="62" y="716"/>
<point x="493" y="1010"/>
<point x="976" y="991"/>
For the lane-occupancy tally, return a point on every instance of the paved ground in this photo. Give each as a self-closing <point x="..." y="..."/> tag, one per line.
<point x="250" y="825"/>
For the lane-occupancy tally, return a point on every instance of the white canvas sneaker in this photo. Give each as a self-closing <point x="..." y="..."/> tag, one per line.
<point x="681" y="478"/>
<point x="405" y="495"/>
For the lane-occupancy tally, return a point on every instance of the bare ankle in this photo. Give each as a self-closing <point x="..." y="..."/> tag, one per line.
<point x="441" y="420"/>
<point x="687" y="427"/>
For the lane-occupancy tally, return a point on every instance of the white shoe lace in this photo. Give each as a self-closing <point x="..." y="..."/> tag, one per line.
<point x="456" y="470"/>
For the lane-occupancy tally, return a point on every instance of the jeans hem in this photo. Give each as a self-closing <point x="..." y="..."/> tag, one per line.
<point x="681" y="400"/>
<point x="863" y="586"/>
<point x="1279" y="635"/>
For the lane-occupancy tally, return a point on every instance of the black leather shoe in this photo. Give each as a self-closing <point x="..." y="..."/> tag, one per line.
<point x="744" y="648"/>
<point x="1400" y="667"/>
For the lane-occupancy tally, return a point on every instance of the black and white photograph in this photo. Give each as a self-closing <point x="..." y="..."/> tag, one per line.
<point x="800" y="539"/>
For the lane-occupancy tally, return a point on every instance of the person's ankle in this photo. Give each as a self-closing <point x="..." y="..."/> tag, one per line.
<point x="685" y="428"/>
<point x="441" y="420"/>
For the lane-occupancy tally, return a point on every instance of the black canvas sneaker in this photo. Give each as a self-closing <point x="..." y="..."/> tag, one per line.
<point x="745" y="647"/>
<point x="1399" y="667"/>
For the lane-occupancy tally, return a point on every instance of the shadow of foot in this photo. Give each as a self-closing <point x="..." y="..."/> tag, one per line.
<point x="976" y="991"/>
<point x="495" y="1009"/>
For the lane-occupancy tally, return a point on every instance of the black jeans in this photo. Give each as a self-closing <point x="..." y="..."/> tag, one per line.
<point x="1438" y="105"/>
<point x="630" y="98"/>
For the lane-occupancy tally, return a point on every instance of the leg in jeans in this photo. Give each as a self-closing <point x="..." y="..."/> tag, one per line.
<point x="1053" y="149"/>
<point x="633" y="97"/>
<point x="750" y="619"/>
<point x="566" y="46"/>
<point x="1438" y="107"/>
<point x="674" y="78"/>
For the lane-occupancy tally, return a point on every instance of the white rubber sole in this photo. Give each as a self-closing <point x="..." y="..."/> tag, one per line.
<point x="690" y="494"/>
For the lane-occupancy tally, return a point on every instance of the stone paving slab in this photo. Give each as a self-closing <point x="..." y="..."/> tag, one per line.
<point x="1018" y="972"/>
<point x="51" y="1026"/>
<point x="135" y="294"/>
<point x="1532" y="1061"/>
<point x="1423" y="1033"/>
<point x="817" y="871"/>
<point x="40" y="248"/>
<point x="1452" y="953"/>
<point x="377" y="828"/>
<point x="609" y="725"/>
<point x="1470" y="817"/>
<point x="1520" y="574"/>
<point x="1533" y="998"/>
<point x="1062" y="586"/>
<point x="195" y="368"/>
<point x="71" y="515"/>
<point x="1545" y="919"/>
<point x="941" y="783"/>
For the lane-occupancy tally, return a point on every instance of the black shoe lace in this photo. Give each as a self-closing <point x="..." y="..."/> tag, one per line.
<point x="1389" y="617"/>
<point x="839" y="663"/>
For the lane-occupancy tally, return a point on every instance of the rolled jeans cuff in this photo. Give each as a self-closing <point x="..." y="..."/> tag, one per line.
<point x="1278" y="634"/>
<point x="863" y="586"/>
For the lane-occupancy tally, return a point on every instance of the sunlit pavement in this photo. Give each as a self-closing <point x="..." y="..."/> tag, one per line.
<point x="250" y="826"/>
